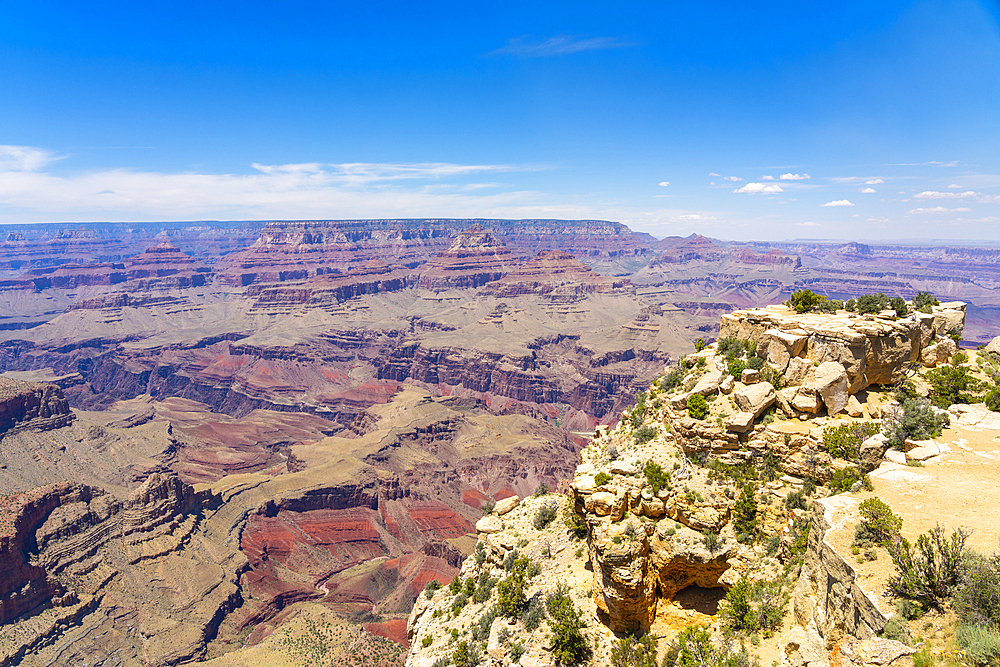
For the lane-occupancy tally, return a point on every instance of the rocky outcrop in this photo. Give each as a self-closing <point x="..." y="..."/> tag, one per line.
<point x="26" y="405"/>
<point x="556" y="274"/>
<point x="76" y="559"/>
<point x="475" y="258"/>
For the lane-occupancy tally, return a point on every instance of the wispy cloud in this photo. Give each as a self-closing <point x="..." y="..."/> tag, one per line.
<point x="874" y="181"/>
<point x="933" y="194"/>
<point x="839" y="202"/>
<point x="712" y="173"/>
<point x="807" y="224"/>
<point x="664" y="184"/>
<point x="524" y="47"/>
<point x="25" y="158"/>
<point x="954" y="187"/>
<point x="794" y="177"/>
<point x="867" y="191"/>
<point x="767" y="178"/>
<point x="734" y="179"/>
<point x="939" y="210"/>
<point x="759" y="189"/>
<point x="930" y="163"/>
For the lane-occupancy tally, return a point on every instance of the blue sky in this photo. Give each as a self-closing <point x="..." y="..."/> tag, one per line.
<point x="857" y="120"/>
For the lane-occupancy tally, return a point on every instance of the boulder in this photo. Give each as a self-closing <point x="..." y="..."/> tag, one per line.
<point x="708" y="383"/>
<point x="798" y="371"/>
<point x="506" y="505"/>
<point x="782" y="346"/>
<point x="741" y="422"/>
<point x="750" y="376"/>
<point x="680" y="401"/>
<point x="925" y="451"/>
<point x="620" y="467"/>
<point x="727" y="384"/>
<point x="994" y="346"/>
<point x="854" y="407"/>
<point x="895" y="456"/>
<point x="831" y="383"/>
<point x="806" y="400"/>
<point x="940" y="352"/>
<point x="601" y="503"/>
<point x="754" y="399"/>
<point x="872" y="451"/>
<point x="949" y="317"/>
<point x="489" y="524"/>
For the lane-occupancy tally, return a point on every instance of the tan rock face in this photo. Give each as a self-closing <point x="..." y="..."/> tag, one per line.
<point x="831" y="384"/>
<point x="755" y="398"/>
<point x="506" y="505"/>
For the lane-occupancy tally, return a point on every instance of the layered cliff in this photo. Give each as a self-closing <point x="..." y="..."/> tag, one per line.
<point x="34" y="406"/>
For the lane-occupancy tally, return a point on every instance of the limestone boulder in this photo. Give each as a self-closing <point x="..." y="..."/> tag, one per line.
<point x="872" y="652"/>
<point x="708" y="383"/>
<point x="782" y="346"/>
<point x="799" y="372"/>
<point x="750" y="376"/>
<point x="489" y="524"/>
<point x="949" y="317"/>
<point x="939" y="353"/>
<point x="806" y="400"/>
<point x="727" y="384"/>
<point x="854" y="407"/>
<point x="872" y="451"/>
<point x="831" y="383"/>
<point x="506" y="505"/>
<point x="895" y="456"/>
<point x="601" y="503"/>
<point x="755" y="399"/>
<point x="994" y="346"/>
<point x="741" y="422"/>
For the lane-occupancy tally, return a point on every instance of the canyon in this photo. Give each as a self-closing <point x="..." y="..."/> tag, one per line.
<point x="321" y="410"/>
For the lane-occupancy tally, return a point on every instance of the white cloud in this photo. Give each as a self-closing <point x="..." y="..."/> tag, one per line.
<point x="807" y="224"/>
<point x="867" y="191"/>
<point x="759" y="188"/>
<point x="874" y="181"/>
<point x="839" y="202"/>
<point x="767" y="178"/>
<point x="307" y="190"/>
<point x="712" y="173"/>
<point x="734" y="179"/>
<point x="954" y="187"/>
<point x="24" y="158"/>
<point x="794" y="177"/>
<point x="562" y="45"/>
<point x="932" y="194"/>
<point x="664" y="184"/>
<point x="940" y="210"/>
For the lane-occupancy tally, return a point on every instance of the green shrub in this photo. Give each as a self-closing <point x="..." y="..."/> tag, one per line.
<point x="844" y="479"/>
<point x="534" y="614"/>
<point x="829" y="305"/>
<point x="916" y="421"/>
<point x="959" y="359"/>
<point x="952" y="384"/>
<point x="427" y="641"/>
<point x="484" y="588"/>
<point x="772" y="376"/>
<point x="470" y="587"/>
<point x="869" y="304"/>
<point x="736" y="367"/>
<point x="672" y="379"/>
<point x="878" y="522"/>
<point x="455" y="587"/>
<point x="929" y="572"/>
<point x="516" y="651"/>
<point x="711" y="541"/>
<point x="575" y="525"/>
<point x="569" y="646"/>
<point x="466" y="655"/>
<point x="481" y="628"/>
<point x="744" y="513"/>
<point x="992" y="399"/>
<point x="602" y="478"/>
<point x="977" y="596"/>
<point x="542" y="490"/>
<point x="511" y="591"/>
<point x="699" y="345"/>
<point x="896" y="629"/>
<point x="908" y="609"/>
<point x="899" y="305"/>
<point x="693" y="648"/>
<point x="850" y="305"/>
<point x="459" y="602"/>
<point x="756" y="363"/>
<point x="630" y="651"/>
<point x="844" y="441"/>
<point x="644" y="434"/>
<point x="804" y="300"/>
<point x="730" y="347"/>
<point x="981" y="644"/>
<point x="796" y="500"/>
<point x="656" y="476"/>
<point x="754" y="606"/>
<point x="431" y="587"/>
<point x="545" y="515"/>
<point x="924" y="300"/>
<point x="697" y="406"/>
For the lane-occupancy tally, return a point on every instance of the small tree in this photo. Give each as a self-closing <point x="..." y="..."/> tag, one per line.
<point x="745" y="510"/>
<point x="804" y="300"/>
<point x="915" y="420"/>
<point x="569" y="646"/>
<point x="878" y="522"/>
<point x="697" y="406"/>
<point x="929" y="572"/>
<point x="872" y="303"/>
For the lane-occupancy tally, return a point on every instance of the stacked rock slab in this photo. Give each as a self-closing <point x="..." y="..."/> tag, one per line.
<point x="825" y="358"/>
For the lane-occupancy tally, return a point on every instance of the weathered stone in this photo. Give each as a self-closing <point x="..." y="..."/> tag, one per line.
<point x="506" y="505"/>
<point x="923" y="453"/>
<point x="680" y="401"/>
<point x="798" y="371"/>
<point x="623" y="468"/>
<point x="754" y="399"/>
<point x="854" y="407"/>
<point x="872" y="652"/>
<point x="895" y="456"/>
<point x="832" y="385"/>
<point x="949" y="317"/>
<point x="872" y="451"/>
<point x="939" y="353"/>
<point x="708" y="383"/>
<point x="750" y="376"/>
<point x="806" y="400"/>
<point x="741" y="422"/>
<point x="994" y="346"/>
<point x="727" y="384"/>
<point x="601" y="503"/>
<point x="489" y="524"/>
